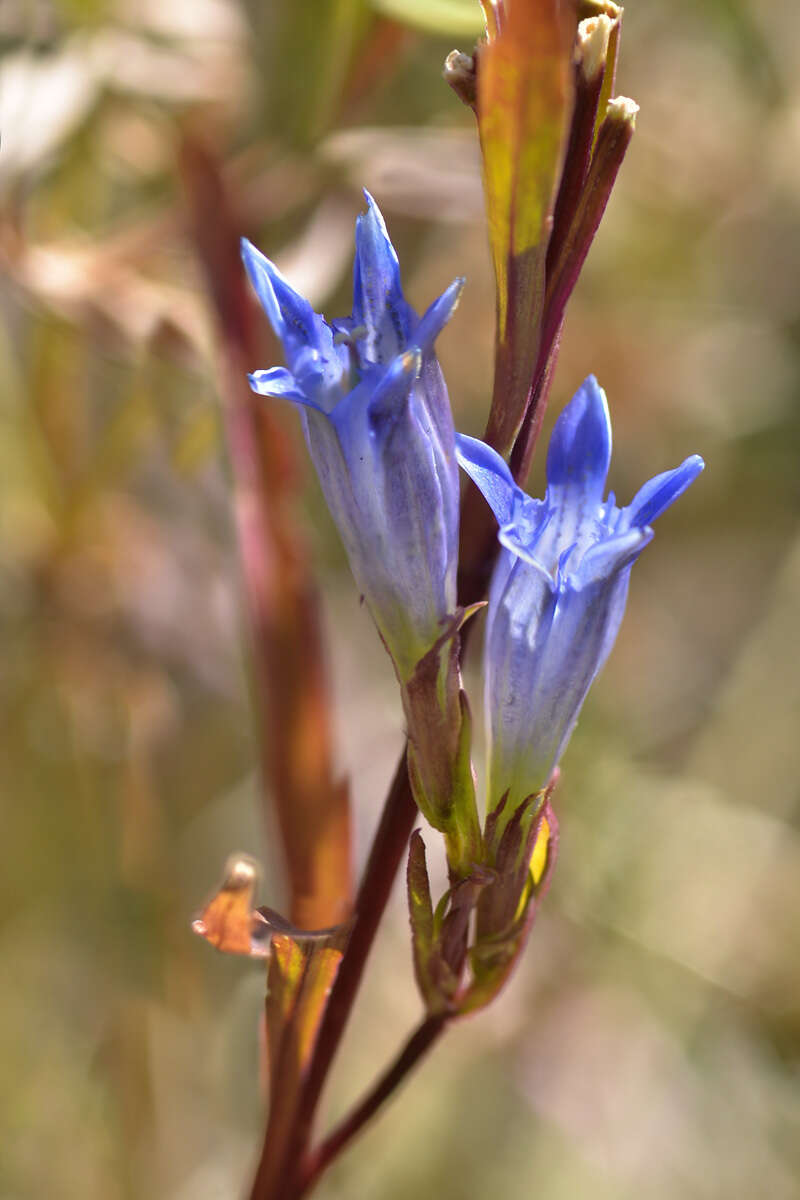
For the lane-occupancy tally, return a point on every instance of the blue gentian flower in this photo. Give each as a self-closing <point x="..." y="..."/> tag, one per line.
<point x="559" y="587"/>
<point x="378" y="426"/>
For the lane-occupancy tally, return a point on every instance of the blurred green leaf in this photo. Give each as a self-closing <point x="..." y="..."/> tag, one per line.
<point x="435" y="16"/>
<point x="304" y="54"/>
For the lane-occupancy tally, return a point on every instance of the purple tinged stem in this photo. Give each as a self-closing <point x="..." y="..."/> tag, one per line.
<point x="386" y="854"/>
<point x="418" y="1045"/>
<point x="577" y="156"/>
<point x="613" y="140"/>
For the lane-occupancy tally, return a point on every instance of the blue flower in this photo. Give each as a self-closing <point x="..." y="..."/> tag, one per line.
<point x="559" y="587"/>
<point x="378" y="426"/>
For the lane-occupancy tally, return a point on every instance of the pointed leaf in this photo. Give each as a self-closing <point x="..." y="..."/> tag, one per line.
<point x="493" y="960"/>
<point x="299" y="982"/>
<point x="455" y="926"/>
<point x="227" y="921"/>
<point x="436" y="982"/>
<point x="439" y="737"/>
<point x="420" y="911"/>
<point x="522" y="105"/>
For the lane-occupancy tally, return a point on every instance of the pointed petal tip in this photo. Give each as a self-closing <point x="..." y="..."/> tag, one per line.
<point x="279" y="384"/>
<point x="373" y="243"/>
<point x="463" y="440"/>
<point x="454" y="291"/>
<point x="250" y="255"/>
<point x="656" y="496"/>
<point x="263" y="275"/>
<point x="579" y="453"/>
<point x="437" y="315"/>
<point x="684" y="475"/>
<point x="373" y="215"/>
<point x="594" y="401"/>
<point x="490" y="474"/>
<point x="473" y="451"/>
<point x="254" y="260"/>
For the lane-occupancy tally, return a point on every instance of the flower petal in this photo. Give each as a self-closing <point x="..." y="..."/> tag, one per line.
<point x="658" y="493"/>
<point x="280" y="384"/>
<point x="436" y="317"/>
<point x="609" y="556"/>
<point x="524" y="532"/>
<point x="307" y="339"/>
<point x="541" y="657"/>
<point x="389" y="396"/>
<point x="378" y="301"/>
<point x="490" y="474"/>
<point x="379" y="430"/>
<point x="579" y="454"/>
<point x="291" y="316"/>
<point x="522" y="605"/>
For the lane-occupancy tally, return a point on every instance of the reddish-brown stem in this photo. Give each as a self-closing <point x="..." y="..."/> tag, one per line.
<point x="576" y="159"/>
<point x="386" y="854"/>
<point x="524" y="446"/>
<point x="291" y="693"/>
<point x="612" y="141"/>
<point x="417" y="1046"/>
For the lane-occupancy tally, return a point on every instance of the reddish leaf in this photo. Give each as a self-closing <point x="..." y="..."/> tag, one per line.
<point x="227" y="921"/>
<point x="522" y="108"/>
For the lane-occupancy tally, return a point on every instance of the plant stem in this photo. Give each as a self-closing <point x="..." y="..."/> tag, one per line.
<point x="290" y="686"/>
<point x="388" y="848"/>
<point x="417" y="1046"/>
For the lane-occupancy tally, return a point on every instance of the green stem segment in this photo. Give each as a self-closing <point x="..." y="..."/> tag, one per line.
<point x="439" y="764"/>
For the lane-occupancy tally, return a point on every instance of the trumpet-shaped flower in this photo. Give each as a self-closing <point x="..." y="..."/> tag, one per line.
<point x="378" y="426"/>
<point x="559" y="587"/>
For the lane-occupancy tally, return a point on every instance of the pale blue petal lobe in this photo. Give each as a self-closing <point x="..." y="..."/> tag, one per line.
<point x="280" y="384"/>
<point x="490" y="474"/>
<point x="436" y="317"/>
<point x="379" y="306"/>
<point x="579" y="454"/>
<point x="659" y="493"/>
<point x="606" y="558"/>
<point x="258" y="267"/>
<point x="308" y="341"/>
<point x="388" y="398"/>
<point x="290" y="315"/>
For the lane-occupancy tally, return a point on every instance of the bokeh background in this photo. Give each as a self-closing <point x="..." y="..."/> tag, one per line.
<point x="648" y="1045"/>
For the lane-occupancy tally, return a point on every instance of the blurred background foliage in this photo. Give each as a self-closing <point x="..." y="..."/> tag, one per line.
<point x="648" y="1046"/>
